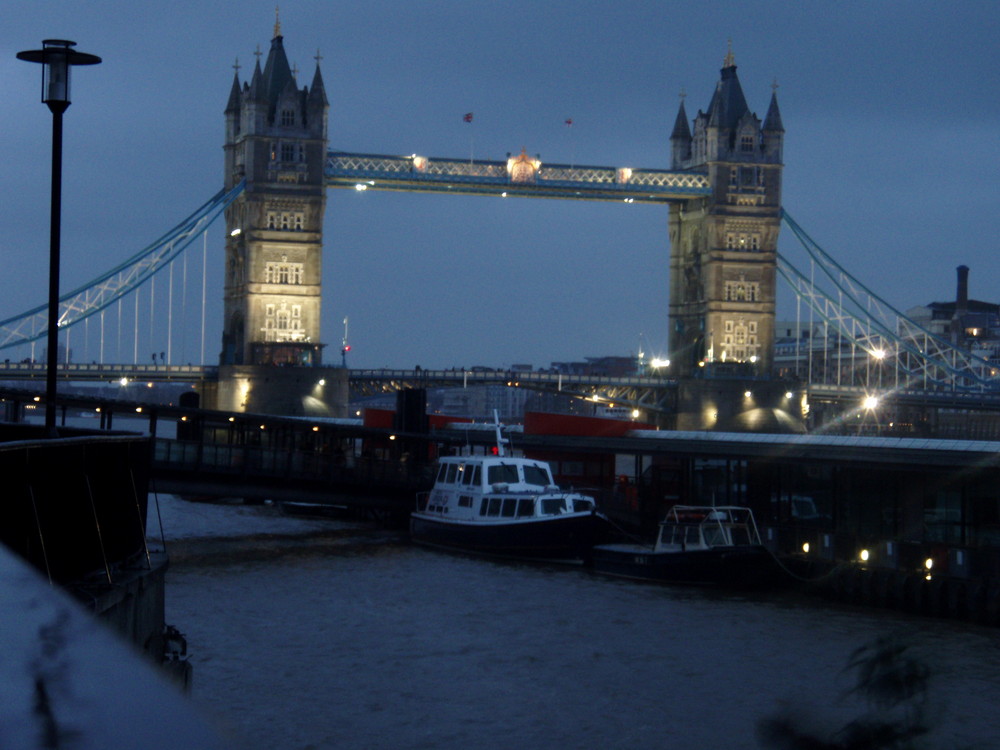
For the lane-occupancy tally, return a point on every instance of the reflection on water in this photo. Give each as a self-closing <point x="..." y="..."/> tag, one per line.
<point x="384" y="645"/>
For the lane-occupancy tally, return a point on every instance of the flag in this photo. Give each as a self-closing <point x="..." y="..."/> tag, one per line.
<point x="569" y="120"/>
<point x="467" y="117"/>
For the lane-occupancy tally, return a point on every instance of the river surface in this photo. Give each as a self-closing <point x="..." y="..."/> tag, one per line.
<point x="314" y="634"/>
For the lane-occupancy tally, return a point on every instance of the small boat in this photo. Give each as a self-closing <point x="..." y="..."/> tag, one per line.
<point x="506" y="506"/>
<point x="696" y="544"/>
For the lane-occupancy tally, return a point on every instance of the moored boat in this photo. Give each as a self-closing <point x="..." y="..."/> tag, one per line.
<point x="507" y="506"/>
<point x="706" y="545"/>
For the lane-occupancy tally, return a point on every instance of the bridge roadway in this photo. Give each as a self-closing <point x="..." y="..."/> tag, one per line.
<point x="655" y="393"/>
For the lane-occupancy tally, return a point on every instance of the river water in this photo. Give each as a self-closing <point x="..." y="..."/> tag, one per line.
<point x="314" y="634"/>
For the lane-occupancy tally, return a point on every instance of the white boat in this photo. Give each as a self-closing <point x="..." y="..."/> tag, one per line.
<point x="717" y="545"/>
<point x="508" y="506"/>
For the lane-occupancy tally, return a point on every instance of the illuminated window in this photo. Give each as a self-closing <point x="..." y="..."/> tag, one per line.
<point x="282" y="272"/>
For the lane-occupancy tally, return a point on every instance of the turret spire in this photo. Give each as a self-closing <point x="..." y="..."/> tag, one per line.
<point x="277" y="23"/>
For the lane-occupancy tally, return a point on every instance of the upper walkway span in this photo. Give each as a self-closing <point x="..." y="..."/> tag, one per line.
<point x="518" y="176"/>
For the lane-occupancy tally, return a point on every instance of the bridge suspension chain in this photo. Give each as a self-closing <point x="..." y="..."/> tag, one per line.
<point x="865" y="320"/>
<point x="100" y="293"/>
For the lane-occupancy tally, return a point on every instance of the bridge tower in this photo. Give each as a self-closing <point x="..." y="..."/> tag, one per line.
<point x="276" y="141"/>
<point x="723" y="247"/>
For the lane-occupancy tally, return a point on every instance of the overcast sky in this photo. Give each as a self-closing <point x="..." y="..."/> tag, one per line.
<point x="892" y="149"/>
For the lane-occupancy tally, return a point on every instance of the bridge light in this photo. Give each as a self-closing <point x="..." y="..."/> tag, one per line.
<point x="788" y="394"/>
<point x="503" y="194"/>
<point x="37" y="398"/>
<point x="805" y="547"/>
<point x="236" y="232"/>
<point x="656" y="362"/>
<point x="138" y="410"/>
<point x="863" y="555"/>
<point x="748" y="394"/>
<point x="871" y="402"/>
<point x="635" y="414"/>
<point x="360" y="186"/>
<point x="322" y="381"/>
<point x="878" y="353"/>
<point x="232" y="419"/>
<point x="315" y="428"/>
<point x="123" y="381"/>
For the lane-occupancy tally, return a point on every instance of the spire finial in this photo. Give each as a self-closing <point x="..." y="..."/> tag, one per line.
<point x="730" y="61"/>
<point x="318" y="56"/>
<point x="257" y="53"/>
<point x="774" y="86"/>
<point x="683" y="95"/>
<point x="236" y="66"/>
<point x="277" y="23"/>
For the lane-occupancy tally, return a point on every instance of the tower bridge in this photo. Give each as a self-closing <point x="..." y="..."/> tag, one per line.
<point x="722" y="192"/>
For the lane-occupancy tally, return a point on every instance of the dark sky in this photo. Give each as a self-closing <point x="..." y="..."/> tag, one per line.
<point x="892" y="148"/>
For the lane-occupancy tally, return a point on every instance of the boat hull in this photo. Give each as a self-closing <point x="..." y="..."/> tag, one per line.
<point x="568" y="537"/>
<point x="750" y="566"/>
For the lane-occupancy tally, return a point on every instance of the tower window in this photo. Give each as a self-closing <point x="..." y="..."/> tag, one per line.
<point x="746" y="143"/>
<point x="288" y="151"/>
<point x="286" y="220"/>
<point x="283" y="273"/>
<point x="287" y="117"/>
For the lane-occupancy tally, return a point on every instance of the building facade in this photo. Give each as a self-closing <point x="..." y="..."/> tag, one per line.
<point x="276" y="141"/>
<point x="723" y="247"/>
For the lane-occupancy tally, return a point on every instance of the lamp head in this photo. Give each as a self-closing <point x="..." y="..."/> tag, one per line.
<point x="57" y="57"/>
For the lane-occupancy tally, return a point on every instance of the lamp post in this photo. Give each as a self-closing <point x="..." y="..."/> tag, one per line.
<point x="56" y="57"/>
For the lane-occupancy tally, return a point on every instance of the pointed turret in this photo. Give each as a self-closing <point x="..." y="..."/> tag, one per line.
<point x="773" y="131"/>
<point x="257" y="82"/>
<point x="235" y="97"/>
<point x="277" y="72"/>
<point x="680" y="139"/>
<point x="317" y="92"/>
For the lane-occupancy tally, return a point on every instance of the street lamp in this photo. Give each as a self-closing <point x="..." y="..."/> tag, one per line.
<point x="56" y="57"/>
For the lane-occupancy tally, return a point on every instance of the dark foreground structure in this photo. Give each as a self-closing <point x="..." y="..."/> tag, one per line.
<point x="75" y="508"/>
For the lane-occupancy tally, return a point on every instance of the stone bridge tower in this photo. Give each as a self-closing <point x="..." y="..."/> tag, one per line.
<point x="723" y="248"/>
<point x="276" y="141"/>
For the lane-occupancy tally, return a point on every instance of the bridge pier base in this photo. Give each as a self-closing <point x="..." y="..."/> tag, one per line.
<point x="739" y="405"/>
<point x="284" y="391"/>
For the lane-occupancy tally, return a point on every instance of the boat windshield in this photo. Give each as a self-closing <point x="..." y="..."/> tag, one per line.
<point x="506" y="473"/>
<point x="553" y="506"/>
<point x="536" y="475"/>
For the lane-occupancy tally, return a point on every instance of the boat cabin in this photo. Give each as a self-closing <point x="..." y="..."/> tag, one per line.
<point x="498" y="487"/>
<point x="689" y="527"/>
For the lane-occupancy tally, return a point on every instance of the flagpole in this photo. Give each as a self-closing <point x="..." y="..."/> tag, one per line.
<point x="468" y="117"/>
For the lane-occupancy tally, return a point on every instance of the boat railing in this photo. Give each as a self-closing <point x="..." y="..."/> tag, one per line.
<point x="719" y="525"/>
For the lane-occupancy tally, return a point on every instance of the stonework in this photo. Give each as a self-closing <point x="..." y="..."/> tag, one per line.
<point x="723" y="248"/>
<point x="276" y="141"/>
